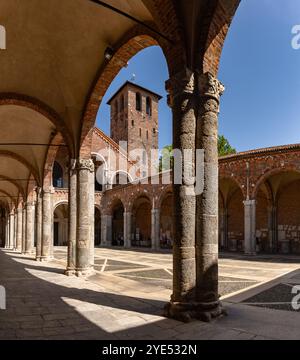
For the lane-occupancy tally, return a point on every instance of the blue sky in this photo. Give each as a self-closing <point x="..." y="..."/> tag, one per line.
<point x="261" y="104"/>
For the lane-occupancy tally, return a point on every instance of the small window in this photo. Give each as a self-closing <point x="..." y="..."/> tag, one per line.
<point x="132" y="122"/>
<point x="122" y="104"/>
<point x="138" y="102"/>
<point x="140" y="132"/>
<point x="153" y="130"/>
<point x="147" y="135"/>
<point x="148" y="106"/>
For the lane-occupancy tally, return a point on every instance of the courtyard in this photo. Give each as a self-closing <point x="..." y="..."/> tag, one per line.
<point x="125" y="296"/>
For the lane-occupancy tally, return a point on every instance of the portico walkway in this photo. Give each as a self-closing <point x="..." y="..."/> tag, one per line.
<point x="124" y="299"/>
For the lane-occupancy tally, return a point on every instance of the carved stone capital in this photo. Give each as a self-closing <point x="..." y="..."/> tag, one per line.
<point x="182" y="83"/>
<point x="209" y="86"/>
<point x="85" y="164"/>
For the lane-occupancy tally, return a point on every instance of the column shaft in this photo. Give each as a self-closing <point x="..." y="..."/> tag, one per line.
<point x="19" y="229"/>
<point x="181" y="98"/>
<point x="127" y="229"/>
<point x="83" y="233"/>
<point x="11" y="230"/>
<point x="72" y="219"/>
<point x="23" y="229"/>
<point x="46" y="225"/>
<point x="155" y="224"/>
<point x="39" y="224"/>
<point x="29" y="242"/>
<point x="207" y="295"/>
<point x="250" y="227"/>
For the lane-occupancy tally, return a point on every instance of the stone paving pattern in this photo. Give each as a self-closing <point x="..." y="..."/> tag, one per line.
<point x="43" y="303"/>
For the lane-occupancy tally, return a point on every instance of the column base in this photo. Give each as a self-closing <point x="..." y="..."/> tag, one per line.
<point x="250" y="253"/>
<point x="186" y="312"/>
<point x="69" y="272"/>
<point x="83" y="272"/>
<point x="45" y="258"/>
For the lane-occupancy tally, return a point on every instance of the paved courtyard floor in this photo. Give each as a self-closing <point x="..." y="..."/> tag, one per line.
<point x="125" y="297"/>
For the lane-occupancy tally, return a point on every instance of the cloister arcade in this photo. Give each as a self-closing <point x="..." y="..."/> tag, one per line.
<point x="50" y="90"/>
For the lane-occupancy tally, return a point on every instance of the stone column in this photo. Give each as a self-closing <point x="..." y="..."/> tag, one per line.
<point x="29" y="242"/>
<point x="19" y="229"/>
<point x="207" y="296"/>
<point x="23" y="228"/>
<point x="38" y="223"/>
<point x="106" y="230"/>
<point x="83" y="233"/>
<point x="11" y="230"/>
<point x="155" y="225"/>
<point x="72" y="219"/>
<point x="250" y="227"/>
<point x="272" y="226"/>
<point x="15" y="229"/>
<point x="46" y="225"/>
<point x="223" y="229"/>
<point x="92" y="215"/>
<point x="181" y="99"/>
<point x="127" y="229"/>
<point x="7" y="240"/>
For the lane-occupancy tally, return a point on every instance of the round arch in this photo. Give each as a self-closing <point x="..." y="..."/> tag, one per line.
<point x="141" y="221"/>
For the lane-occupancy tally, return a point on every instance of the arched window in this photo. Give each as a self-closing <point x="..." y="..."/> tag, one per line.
<point x="57" y="175"/>
<point x="138" y="101"/>
<point x="122" y="103"/>
<point x="148" y="106"/>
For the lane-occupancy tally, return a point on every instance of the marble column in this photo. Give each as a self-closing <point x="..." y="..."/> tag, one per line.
<point x="155" y="227"/>
<point x="11" y="230"/>
<point x="72" y="218"/>
<point x="83" y="232"/>
<point x="207" y="296"/>
<point x="181" y="99"/>
<point x="23" y="228"/>
<point x="250" y="227"/>
<point x="38" y="223"/>
<point x="127" y="229"/>
<point x="19" y="229"/>
<point x="46" y="225"/>
<point x="29" y="242"/>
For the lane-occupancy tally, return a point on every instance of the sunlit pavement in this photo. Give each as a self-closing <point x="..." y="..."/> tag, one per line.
<point x="125" y="297"/>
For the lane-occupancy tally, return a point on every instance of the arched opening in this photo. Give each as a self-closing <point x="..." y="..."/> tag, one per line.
<point x="278" y="213"/>
<point x="138" y="102"/>
<point x="57" y="175"/>
<point x="120" y="178"/>
<point x="97" y="227"/>
<point x="141" y="222"/>
<point x="148" y="106"/>
<point x="60" y="226"/>
<point x="166" y="235"/>
<point x="231" y="215"/>
<point x="118" y="224"/>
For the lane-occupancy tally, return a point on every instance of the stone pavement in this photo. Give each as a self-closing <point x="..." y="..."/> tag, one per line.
<point x="42" y="303"/>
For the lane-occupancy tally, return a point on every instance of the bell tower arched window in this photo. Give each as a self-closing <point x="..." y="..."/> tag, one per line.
<point x="138" y="101"/>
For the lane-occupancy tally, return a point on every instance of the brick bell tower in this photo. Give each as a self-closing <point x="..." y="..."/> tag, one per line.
<point x="134" y="119"/>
